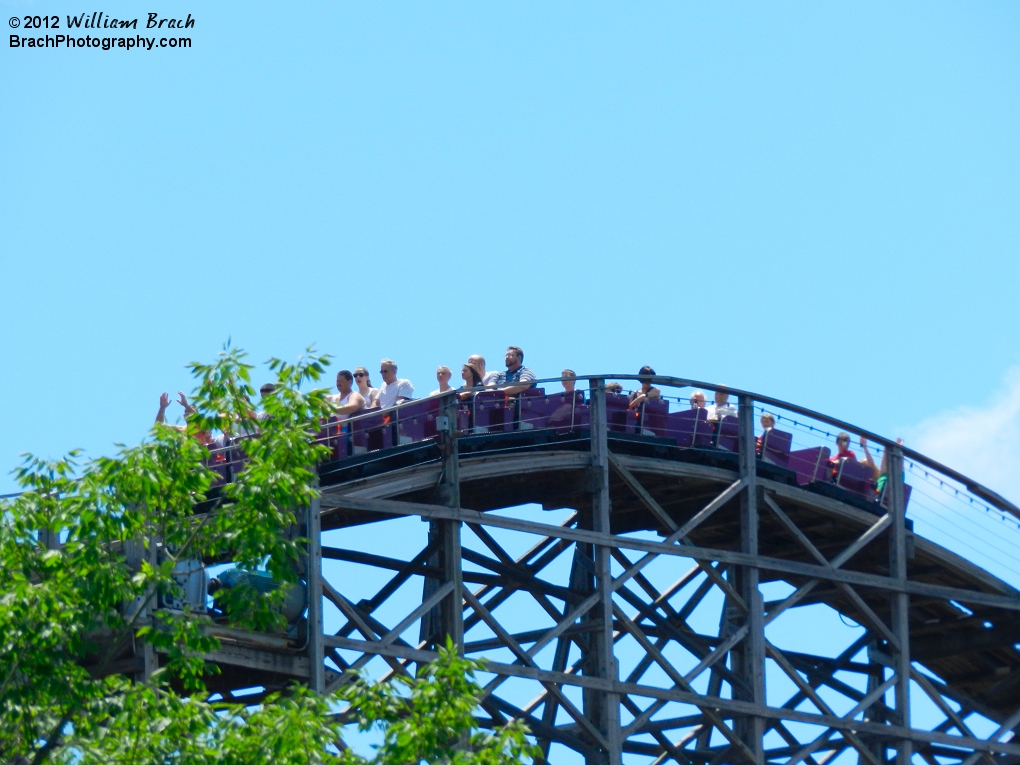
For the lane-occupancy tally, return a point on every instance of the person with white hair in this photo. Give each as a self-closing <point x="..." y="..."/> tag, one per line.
<point x="393" y="391"/>
<point x="721" y="408"/>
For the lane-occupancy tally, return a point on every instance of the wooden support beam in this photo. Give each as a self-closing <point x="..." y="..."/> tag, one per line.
<point x="777" y="656"/>
<point x="678" y="533"/>
<point x="684" y="684"/>
<point x="515" y="648"/>
<point x="864" y="703"/>
<point x="602" y="659"/>
<point x="277" y="662"/>
<point x="452" y="609"/>
<point x="749" y="658"/>
<point x="798" y="568"/>
<point x="316" y="649"/>
<point x="900" y="600"/>
<point x="724" y="706"/>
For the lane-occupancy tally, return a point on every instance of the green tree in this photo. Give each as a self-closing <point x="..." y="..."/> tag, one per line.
<point x="424" y="719"/>
<point x="70" y="602"/>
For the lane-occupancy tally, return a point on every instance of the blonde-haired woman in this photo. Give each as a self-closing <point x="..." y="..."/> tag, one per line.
<point x="443" y="375"/>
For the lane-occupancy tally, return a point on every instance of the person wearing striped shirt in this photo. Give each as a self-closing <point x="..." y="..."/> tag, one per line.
<point x="517" y="377"/>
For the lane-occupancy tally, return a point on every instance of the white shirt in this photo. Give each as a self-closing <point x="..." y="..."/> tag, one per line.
<point x="718" y="412"/>
<point x="339" y="400"/>
<point x="390" y="392"/>
<point x="490" y="379"/>
<point x="370" y="396"/>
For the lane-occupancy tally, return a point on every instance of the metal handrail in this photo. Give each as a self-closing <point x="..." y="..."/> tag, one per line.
<point x="973" y="486"/>
<point x="976" y="488"/>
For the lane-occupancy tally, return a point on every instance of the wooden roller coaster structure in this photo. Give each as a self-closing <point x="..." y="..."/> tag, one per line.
<point x="597" y="655"/>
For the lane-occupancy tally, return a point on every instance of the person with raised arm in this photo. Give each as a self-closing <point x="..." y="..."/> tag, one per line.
<point x="869" y="460"/>
<point x="443" y="375"/>
<point x="393" y="391"/>
<point x="370" y="394"/>
<point x="203" y="437"/>
<point x="488" y="378"/>
<point x="164" y="402"/>
<point x="646" y="391"/>
<point x="517" y="378"/>
<point x="880" y="473"/>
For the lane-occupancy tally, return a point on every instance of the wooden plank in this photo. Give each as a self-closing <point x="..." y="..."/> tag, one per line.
<point x="681" y="682"/>
<point x="602" y="640"/>
<point x="508" y="641"/>
<point x="729" y="707"/>
<point x="672" y="469"/>
<point x="900" y="601"/>
<point x="749" y="656"/>
<point x="473" y="468"/>
<point x="451" y="610"/>
<point x="316" y="650"/>
<point x="806" y="750"/>
<point x="679" y="533"/>
<point x="805" y="688"/>
<point x="797" y="568"/>
<point x="852" y="549"/>
<point x="420" y="477"/>
<point x="293" y="664"/>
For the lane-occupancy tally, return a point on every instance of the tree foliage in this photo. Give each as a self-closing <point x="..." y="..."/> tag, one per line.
<point x="71" y="601"/>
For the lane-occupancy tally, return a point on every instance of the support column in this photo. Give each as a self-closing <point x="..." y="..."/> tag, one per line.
<point x="874" y="713"/>
<point x="313" y="576"/>
<point x="49" y="539"/>
<point x="900" y="600"/>
<point x="137" y="550"/>
<point x="452" y="609"/>
<point x="749" y="655"/>
<point x="608" y="717"/>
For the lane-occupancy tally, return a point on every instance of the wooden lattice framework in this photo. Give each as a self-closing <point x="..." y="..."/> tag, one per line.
<point x="604" y="677"/>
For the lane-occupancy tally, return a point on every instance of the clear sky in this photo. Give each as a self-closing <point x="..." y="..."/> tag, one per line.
<point x="816" y="201"/>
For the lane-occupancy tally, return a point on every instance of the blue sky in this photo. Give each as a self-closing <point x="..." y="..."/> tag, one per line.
<point x="814" y="201"/>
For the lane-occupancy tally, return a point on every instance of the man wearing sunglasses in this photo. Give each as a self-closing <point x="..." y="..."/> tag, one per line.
<point x="393" y="391"/>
